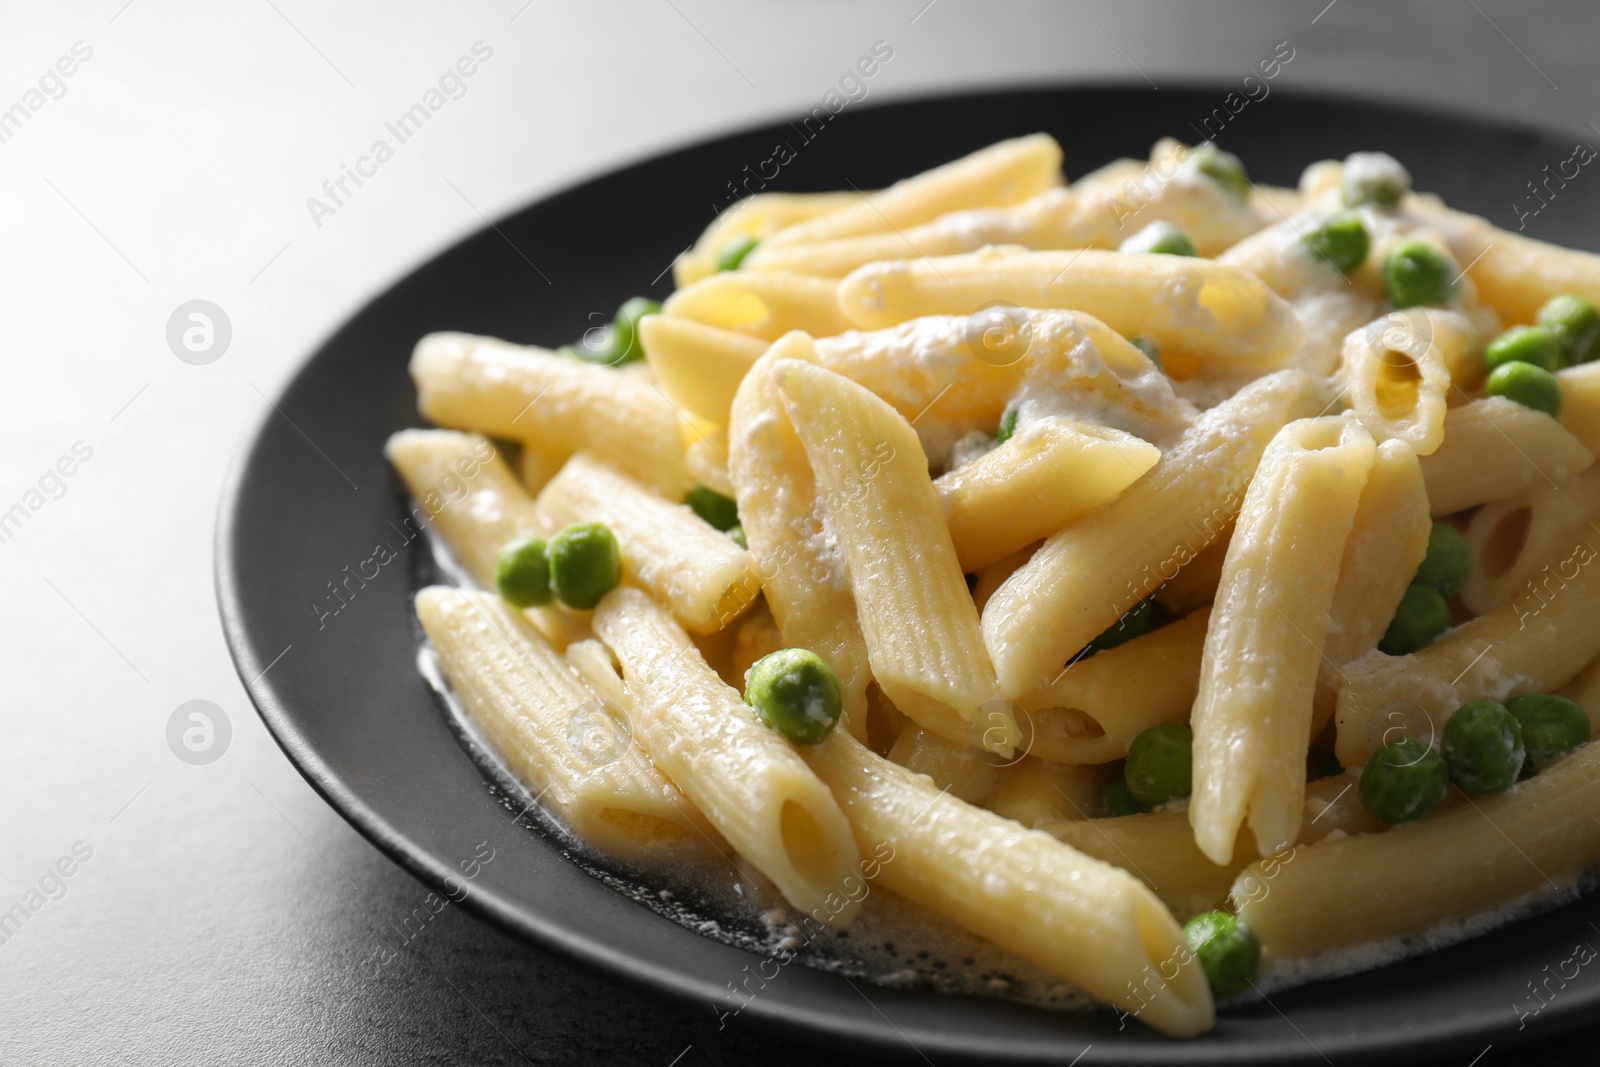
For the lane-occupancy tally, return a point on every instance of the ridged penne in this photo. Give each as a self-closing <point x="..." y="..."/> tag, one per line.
<point x="739" y="772"/>
<point x="694" y="569"/>
<point x="1478" y="856"/>
<point x="1258" y="675"/>
<point x="531" y="394"/>
<point x="804" y="583"/>
<point x="1003" y="173"/>
<point x="1517" y="543"/>
<point x="468" y="493"/>
<point x="1535" y="643"/>
<point x="1050" y="472"/>
<point x="1092" y="924"/>
<point x="1096" y="707"/>
<point x="1495" y="447"/>
<point x="1388" y="540"/>
<point x="1197" y="306"/>
<point x="1083" y="578"/>
<point x="912" y="602"/>
<point x="567" y="745"/>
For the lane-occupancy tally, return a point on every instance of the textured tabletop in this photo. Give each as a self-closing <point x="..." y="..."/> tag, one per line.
<point x="154" y="153"/>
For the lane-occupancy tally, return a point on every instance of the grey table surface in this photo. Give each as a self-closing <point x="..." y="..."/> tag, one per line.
<point x="224" y="914"/>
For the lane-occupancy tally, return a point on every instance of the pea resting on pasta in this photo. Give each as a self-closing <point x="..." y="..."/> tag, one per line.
<point x="811" y="561"/>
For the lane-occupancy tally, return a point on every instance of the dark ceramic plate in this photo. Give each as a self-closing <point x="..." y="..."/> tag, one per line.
<point x="311" y="498"/>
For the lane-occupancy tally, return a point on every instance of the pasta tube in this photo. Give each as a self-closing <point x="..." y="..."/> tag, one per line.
<point x="699" y="366"/>
<point x="472" y="498"/>
<point x="1098" y="705"/>
<point x="1494" y="448"/>
<point x="1004" y="173"/>
<point x="1048" y="474"/>
<point x="530" y="394"/>
<point x="693" y="568"/>
<point x="1536" y="643"/>
<point x="571" y="750"/>
<point x="1342" y="890"/>
<point x="1090" y="923"/>
<point x="1083" y="578"/>
<point x="1388" y="540"/>
<point x="1252" y="718"/>
<point x="761" y="304"/>
<point x="1197" y="306"/>
<point x="741" y="773"/>
<point x="1518" y="542"/>
<point x="920" y="624"/>
<point x="804" y="583"/>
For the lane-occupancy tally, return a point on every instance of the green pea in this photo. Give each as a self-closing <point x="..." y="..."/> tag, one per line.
<point x="1576" y="325"/>
<point x="522" y="572"/>
<point x="1418" y="273"/>
<point x="1524" y="344"/>
<point x="713" y="507"/>
<point x="1532" y="387"/>
<point x="731" y="254"/>
<point x="1421" y="617"/>
<point x="1228" y="952"/>
<point x="1341" y="241"/>
<point x="1223" y="168"/>
<point x="1007" y="428"/>
<point x="1160" y="764"/>
<point x="1135" y="622"/>
<point x="795" y="692"/>
<point x="1448" y="564"/>
<point x="625" y="346"/>
<point x="737" y="534"/>
<point x="1161" y="238"/>
<point x="1404" y="781"/>
<point x="1483" y="748"/>
<point x="1148" y="347"/>
<point x="1552" y="726"/>
<point x="1117" y="800"/>
<point x="1374" y="178"/>
<point x="585" y="564"/>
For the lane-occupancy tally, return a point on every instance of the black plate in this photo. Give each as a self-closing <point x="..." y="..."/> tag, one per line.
<point x="312" y="496"/>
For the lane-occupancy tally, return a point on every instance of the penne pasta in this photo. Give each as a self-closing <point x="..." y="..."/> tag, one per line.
<point x="960" y="770"/>
<point x="1198" y="306"/>
<point x="804" y="584"/>
<point x="694" y="569"/>
<point x="1092" y="712"/>
<point x="1535" y="643"/>
<point x="699" y="366"/>
<point x="1049" y="473"/>
<point x="752" y="217"/>
<point x="1477" y="856"/>
<point x="1077" y="917"/>
<point x="531" y="394"/>
<point x="918" y="619"/>
<point x="1396" y="380"/>
<point x="1083" y="578"/>
<point x="1516" y="542"/>
<point x="1004" y="173"/>
<point x="1031" y="791"/>
<point x="739" y="772"/>
<point x="1252" y="718"/>
<point x="1388" y="540"/>
<point x="1580" y="403"/>
<point x="1494" y="448"/>
<point x="468" y="493"/>
<point x="570" y="749"/>
<point x="764" y="305"/>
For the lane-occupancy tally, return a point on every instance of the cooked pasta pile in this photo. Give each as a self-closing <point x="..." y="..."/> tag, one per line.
<point x="1137" y="571"/>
